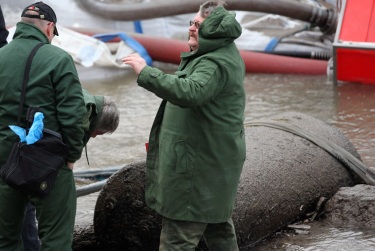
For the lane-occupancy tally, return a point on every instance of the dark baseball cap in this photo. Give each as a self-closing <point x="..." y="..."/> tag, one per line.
<point x="45" y="13"/>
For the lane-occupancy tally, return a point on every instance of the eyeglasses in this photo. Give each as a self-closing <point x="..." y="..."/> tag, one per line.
<point x="196" y="24"/>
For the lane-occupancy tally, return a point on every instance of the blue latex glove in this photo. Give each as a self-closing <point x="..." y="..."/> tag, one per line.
<point x="19" y="131"/>
<point x="36" y="129"/>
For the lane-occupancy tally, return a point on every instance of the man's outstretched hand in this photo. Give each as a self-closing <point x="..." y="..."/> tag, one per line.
<point x="136" y="62"/>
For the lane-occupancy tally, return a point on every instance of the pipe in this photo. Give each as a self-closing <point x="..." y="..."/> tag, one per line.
<point x="257" y="62"/>
<point x="92" y="188"/>
<point x="325" y="18"/>
<point x="254" y="61"/>
<point x="320" y="55"/>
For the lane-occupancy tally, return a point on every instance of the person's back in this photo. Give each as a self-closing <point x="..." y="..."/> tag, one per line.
<point x="54" y="88"/>
<point x="53" y="79"/>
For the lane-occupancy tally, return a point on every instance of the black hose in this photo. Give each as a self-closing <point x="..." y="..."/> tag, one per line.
<point x="321" y="55"/>
<point x="322" y="17"/>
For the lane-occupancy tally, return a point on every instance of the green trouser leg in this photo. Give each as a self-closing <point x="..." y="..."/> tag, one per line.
<point x="56" y="213"/>
<point x="221" y="236"/>
<point x="185" y="236"/>
<point x="12" y="213"/>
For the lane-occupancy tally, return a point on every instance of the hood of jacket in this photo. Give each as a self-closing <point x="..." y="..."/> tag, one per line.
<point x="217" y="30"/>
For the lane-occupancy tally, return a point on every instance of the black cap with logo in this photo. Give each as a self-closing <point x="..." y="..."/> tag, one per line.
<point x="45" y="13"/>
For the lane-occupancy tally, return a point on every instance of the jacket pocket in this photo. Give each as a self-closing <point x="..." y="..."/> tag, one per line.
<point x="173" y="154"/>
<point x="174" y="162"/>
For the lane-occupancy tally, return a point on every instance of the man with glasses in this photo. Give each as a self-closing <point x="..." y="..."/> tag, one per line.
<point x="54" y="88"/>
<point x="197" y="146"/>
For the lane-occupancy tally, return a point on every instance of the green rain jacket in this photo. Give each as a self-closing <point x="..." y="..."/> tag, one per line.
<point x="53" y="86"/>
<point x="197" y="145"/>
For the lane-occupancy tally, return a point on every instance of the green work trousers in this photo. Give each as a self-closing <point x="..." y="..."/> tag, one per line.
<point x="185" y="235"/>
<point x="55" y="215"/>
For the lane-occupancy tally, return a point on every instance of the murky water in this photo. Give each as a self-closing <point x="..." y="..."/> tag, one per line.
<point x="349" y="107"/>
<point x="322" y="237"/>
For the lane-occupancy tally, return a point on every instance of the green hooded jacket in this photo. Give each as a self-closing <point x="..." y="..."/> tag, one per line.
<point x="53" y="86"/>
<point x="197" y="145"/>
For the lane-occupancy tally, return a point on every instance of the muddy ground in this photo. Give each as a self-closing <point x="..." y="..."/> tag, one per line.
<point x="351" y="206"/>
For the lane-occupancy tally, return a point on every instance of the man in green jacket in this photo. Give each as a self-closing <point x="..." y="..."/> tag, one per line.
<point x="29" y="230"/>
<point x="197" y="146"/>
<point x="102" y="117"/>
<point x="54" y="87"/>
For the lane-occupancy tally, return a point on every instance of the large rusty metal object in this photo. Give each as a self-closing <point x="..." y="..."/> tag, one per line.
<point x="284" y="176"/>
<point x="322" y="17"/>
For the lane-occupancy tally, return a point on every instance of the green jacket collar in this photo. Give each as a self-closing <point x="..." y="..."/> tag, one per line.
<point x="29" y="31"/>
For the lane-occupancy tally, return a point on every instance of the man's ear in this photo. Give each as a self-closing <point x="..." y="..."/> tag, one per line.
<point x="49" y="31"/>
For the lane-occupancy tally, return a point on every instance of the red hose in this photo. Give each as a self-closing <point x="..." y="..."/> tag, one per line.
<point x="168" y="51"/>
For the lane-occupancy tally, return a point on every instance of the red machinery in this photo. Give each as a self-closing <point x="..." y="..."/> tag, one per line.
<point x="354" y="45"/>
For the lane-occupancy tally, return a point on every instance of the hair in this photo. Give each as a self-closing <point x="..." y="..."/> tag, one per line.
<point x="40" y="23"/>
<point x="209" y="6"/>
<point x="109" y="118"/>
